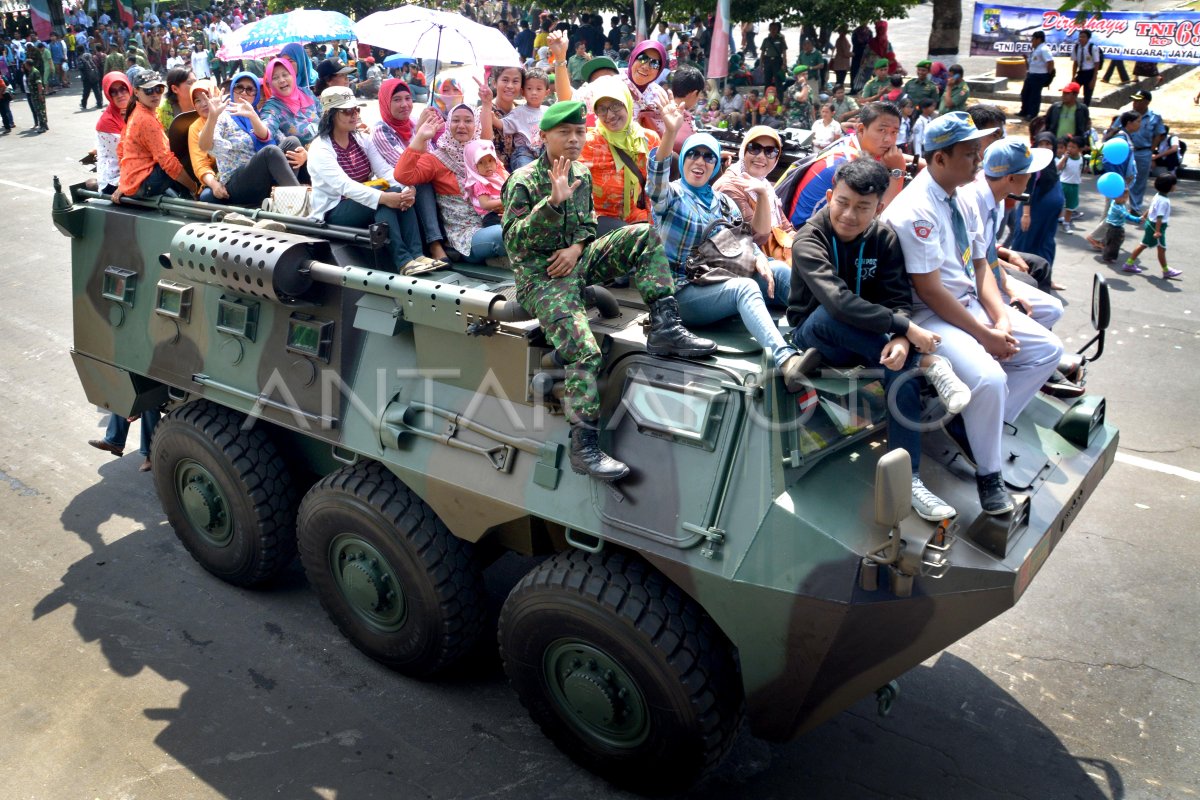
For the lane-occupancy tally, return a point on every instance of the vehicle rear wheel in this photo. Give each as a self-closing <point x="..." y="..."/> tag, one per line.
<point x="622" y="671"/>
<point x="389" y="573"/>
<point x="226" y="492"/>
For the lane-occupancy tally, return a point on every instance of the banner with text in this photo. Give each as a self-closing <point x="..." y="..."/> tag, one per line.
<point x="1163" y="36"/>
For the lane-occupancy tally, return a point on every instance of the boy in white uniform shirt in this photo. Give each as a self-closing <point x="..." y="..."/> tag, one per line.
<point x="1007" y="165"/>
<point x="1003" y="358"/>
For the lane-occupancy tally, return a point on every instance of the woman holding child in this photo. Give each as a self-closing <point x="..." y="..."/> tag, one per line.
<point x="446" y="170"/>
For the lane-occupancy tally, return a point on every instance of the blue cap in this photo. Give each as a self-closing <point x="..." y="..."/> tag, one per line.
<point x="950" y="129"/>
<point x="1014" y="157"/>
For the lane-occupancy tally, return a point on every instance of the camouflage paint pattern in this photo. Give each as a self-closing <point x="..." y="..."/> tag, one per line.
<point x="726" y="498"/>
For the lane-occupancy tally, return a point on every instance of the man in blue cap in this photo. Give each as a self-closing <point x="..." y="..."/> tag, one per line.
<point x="550" y="234"/>
<point x="1003" y="358"/>
<point x="1007" y="165"/>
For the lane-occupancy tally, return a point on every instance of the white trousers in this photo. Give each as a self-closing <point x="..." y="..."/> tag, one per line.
<point x="1045" y="309"/>
<point x="1000" y="390"/>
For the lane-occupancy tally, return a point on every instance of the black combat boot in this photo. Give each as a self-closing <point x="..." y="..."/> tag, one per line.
<point x="668" y="337"/>
<point x="588" y="459"/>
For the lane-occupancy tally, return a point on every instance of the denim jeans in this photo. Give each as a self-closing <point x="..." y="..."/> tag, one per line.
<point x="487" y="243"/>
<point x="843" y="345"/>
<point x="747" y="297"/>
<point x="427" y="213"/>
<point x="118" y="430"/>
<point x="520" y="157"/>
<point x="404" y="234"/>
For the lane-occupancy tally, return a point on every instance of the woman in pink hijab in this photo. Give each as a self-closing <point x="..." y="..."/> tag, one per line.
<point x="646" y="63"/>
<point x="292" y="109"/>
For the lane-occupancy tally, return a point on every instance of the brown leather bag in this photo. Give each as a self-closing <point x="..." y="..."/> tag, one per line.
<point x="779" y="245"/>
<point x="726" y="251"/>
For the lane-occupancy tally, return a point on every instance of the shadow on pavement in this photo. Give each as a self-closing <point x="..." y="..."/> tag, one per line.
<point x="276" y="703"/>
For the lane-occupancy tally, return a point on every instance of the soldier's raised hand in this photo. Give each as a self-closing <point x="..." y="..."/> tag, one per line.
<point x="560" y="186"/>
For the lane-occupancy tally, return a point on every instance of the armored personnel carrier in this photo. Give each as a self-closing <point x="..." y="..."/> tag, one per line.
<point x="400" y="433"/>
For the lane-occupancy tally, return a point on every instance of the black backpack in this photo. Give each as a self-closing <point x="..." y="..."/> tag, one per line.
<point x="1175" y="159"/>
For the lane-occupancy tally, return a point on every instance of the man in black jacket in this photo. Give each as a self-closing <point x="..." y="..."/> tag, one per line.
<point x="851" y="300"/>
<point x="1068" y="116"/>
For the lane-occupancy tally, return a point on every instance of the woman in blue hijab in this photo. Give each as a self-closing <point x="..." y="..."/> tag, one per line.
<point x="306" y="76"/>
<point x="249" y="163"/>
<point x="683" y="210"/>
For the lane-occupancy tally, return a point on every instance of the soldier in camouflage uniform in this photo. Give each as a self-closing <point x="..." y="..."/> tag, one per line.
<point x="550" y="235"/>
<point x="37" y="95"/>
<point x="878" y="85"/>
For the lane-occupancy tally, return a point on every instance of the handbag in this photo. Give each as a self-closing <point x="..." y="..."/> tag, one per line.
<point x="726" y="251"/>
<point x="779" y="245"/>
<point x="294" y="201"/>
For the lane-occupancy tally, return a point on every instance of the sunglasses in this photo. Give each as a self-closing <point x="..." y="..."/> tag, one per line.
<point x="243" y="89"/>
<point x="153" y="90"/>
<point x="709" y="156"/>
<point x="754" y="148"/>
<point x="645" y="59"/>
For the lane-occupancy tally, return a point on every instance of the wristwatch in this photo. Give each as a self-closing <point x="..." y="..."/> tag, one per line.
<point x="896" y="173"/>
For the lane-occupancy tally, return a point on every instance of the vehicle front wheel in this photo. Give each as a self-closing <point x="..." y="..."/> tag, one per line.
<point x="622" y="671"/>
<point x="226" y="492"/>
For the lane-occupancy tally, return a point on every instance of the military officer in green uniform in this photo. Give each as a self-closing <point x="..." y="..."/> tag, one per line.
<point x="957" y="92"/>
<point x="550" y="234"/>
<point x="878" y="85"/>
<point x="922" y="87"/>
<point x="37" y="98"/>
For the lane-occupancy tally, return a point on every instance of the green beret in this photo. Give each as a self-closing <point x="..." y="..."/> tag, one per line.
<point x="926" y="63"/>
<point x="601" y="62"/>
<point x="881" y="63"/>
<point x="567" y="112"/>
<point x="799" y="68"/>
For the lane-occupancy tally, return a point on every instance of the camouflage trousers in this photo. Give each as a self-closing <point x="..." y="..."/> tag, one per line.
<point x="634" y="250"/>
<point x="37" y="105"/>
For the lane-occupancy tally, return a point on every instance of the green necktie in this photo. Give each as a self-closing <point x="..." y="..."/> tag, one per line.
<point x="961" y="241"/>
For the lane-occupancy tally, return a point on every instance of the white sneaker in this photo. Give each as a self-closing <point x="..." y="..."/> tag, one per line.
<point x="954" y="392"/>
<point x="928" y="505"/>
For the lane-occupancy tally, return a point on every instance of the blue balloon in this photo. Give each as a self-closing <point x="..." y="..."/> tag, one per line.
<point x="1116" y="151"/>
<point x="1111" y="185"/>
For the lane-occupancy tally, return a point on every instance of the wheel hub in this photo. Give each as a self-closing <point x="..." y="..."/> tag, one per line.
<point x="204" y="503"/>
<point x="364" y="582"/>
<point x="367" y="582"/>
<point x="596" y="694"/>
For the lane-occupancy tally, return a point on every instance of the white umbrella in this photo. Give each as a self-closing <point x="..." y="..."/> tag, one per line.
<point x="269" y="35"/>
<point x="426" y="33"/>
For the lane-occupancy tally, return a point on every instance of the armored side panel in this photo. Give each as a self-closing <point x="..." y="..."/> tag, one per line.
<point x="757" y="503"/>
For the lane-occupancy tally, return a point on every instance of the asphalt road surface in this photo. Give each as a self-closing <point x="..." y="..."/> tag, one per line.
<point x="128" y="672"/>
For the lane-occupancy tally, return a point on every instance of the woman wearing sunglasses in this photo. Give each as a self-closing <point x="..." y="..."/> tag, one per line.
<point x="109" y="128"/>
<point x="148" y="168"/>
<point x="746" y="182"/>
<point x="646" y="63"/>
<point x="683" y="210"/>
<point x="615" y="152"/>
<point x="233" y="153"/>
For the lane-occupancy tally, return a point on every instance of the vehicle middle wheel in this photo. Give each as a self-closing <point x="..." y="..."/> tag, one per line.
<point x="389" y="573"/>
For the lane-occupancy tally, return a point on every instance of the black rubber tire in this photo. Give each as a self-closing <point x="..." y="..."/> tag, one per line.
<point x="251" y="474"/>
<point x="441" y="577"/>
<point x="683" y="665"/>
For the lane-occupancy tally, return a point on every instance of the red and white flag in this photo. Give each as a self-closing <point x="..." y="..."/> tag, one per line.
<point x="718" y="60"/>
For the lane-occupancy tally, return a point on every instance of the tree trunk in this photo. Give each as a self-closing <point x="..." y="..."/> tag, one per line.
<point x="947" y="23"/>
